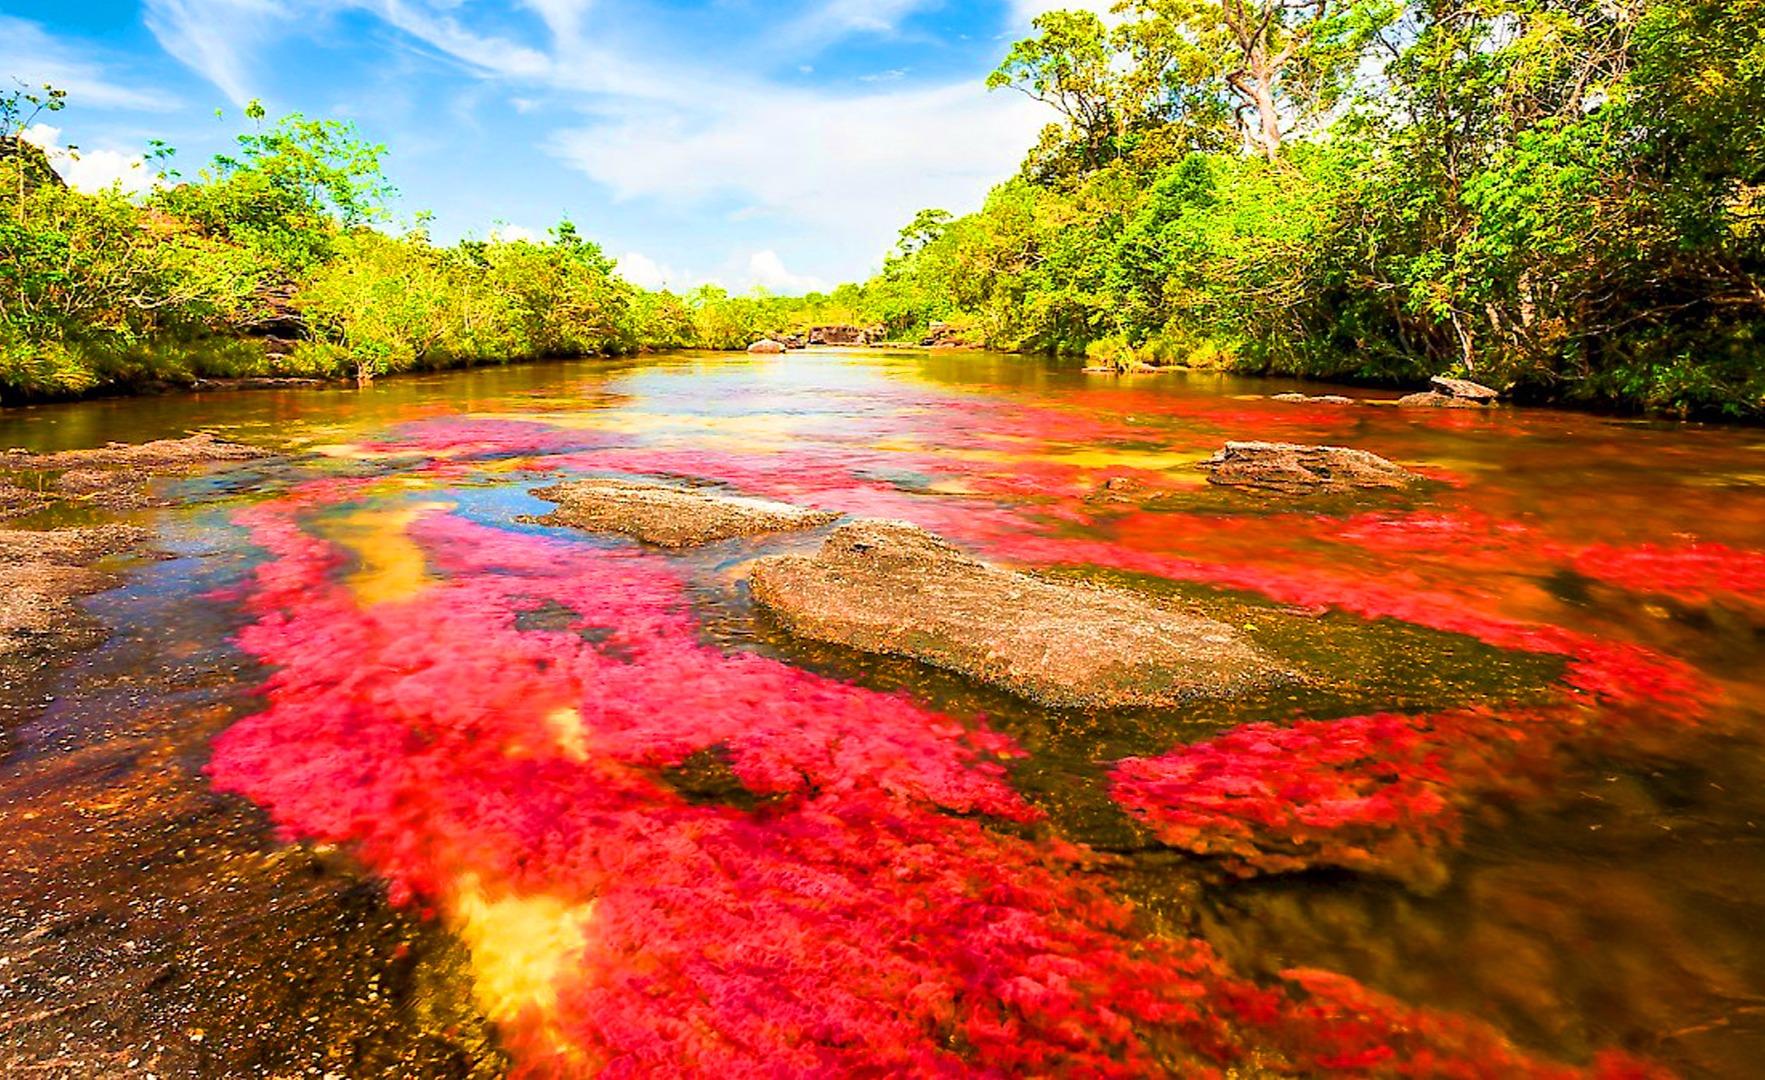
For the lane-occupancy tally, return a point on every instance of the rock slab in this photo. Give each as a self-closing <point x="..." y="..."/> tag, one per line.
<point x="1303" y="470"/>
<point x="670" y="516"/>
<point x="892" y="588"/>
<point x="1465" y="390"/>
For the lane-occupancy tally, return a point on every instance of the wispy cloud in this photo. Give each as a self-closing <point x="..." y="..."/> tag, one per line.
<point x="32" y="55"/>
<point x="866" y="163"/>
<point x="834" y="20"/>
<point x="91" y="170"/>
<point x="700" y="133"/>
<point x="217" y="39"/>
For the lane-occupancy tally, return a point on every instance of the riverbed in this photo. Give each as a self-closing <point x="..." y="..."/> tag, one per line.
<point x="374" y="775"/>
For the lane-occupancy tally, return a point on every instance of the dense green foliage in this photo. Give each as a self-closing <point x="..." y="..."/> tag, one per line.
<point x="1560" y="196"/>
<point x="284" y="238"/>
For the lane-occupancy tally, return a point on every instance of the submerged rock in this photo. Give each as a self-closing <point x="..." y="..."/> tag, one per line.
<point x="1314" y="399"/>
<point x="670" y="516"/>
<point x="118" y="476"/>
<point x="1303" y="470"/>
<point x="17" y="501"/>
<point x="1434" y="400"/>
<point x="198" y="449"/>
<point x="41" y="574"/>
<point x="768" y="347"/>
<point x="892" y="588"/>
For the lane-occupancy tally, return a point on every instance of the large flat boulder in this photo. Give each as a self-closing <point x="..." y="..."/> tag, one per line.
<point x="42" y="574"/>
<point x="1303" y="470"/>
<point x="892" y="588"/>
<point x="199" y="449"/>
<point x="1465" y="390"/>
<point x="17" y="501"/>
<point x="670" y="516"/>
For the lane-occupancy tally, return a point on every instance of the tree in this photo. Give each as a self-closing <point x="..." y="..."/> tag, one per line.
<point x="19" y="109"/>
<point x="1282" y="62"/>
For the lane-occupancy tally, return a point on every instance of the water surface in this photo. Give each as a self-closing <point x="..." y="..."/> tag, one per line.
<point x="435" y="791"/>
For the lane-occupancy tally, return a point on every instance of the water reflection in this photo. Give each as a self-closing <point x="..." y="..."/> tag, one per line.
<point x="615" y="783"/>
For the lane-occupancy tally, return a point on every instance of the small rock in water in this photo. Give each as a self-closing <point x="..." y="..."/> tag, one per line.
<point x="1314" y="399"/>
<point x="893" y="588"/>
<point x="1465" y="390"/>
<point x="767" y="346"/>
<point x="670" y="516"/>
<point x="1303" y="470"/>
<point x="1433" y="400"/>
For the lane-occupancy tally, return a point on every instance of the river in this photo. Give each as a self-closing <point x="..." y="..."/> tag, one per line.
<point x="376" y="776"/>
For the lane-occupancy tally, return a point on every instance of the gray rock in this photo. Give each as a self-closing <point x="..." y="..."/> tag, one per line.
<point x="1465" y="390"/>
<point x="670" y="516"/>
<point x="892" y="588"/>
<point x="1433" y="400"/>
<point x="1303" y="470"/>
<point x="1315" y="399"/>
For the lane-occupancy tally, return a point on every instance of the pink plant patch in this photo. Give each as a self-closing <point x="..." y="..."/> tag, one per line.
<point x="507" y="741"/>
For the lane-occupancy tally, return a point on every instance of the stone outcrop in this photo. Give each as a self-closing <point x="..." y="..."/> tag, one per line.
<point x="767" y="347"/>
<point x="37" y="169"/>
<point x="947" y="336"/>
<point x="199" y="449"/>
<point x="892" y="588"/>
<point x="18" y="501"/>
<point x="845" y="335"/>
<point x="1314" y="399"/>
<point x="1303" y="470"/>
<point x="670" y="516"/>
<point x="41" y="574"/>
<point x="1432" y="400"/>
<point x="118" y="476"/>
<point x="1465" y="390"/>
<point x="1451" y="394"/>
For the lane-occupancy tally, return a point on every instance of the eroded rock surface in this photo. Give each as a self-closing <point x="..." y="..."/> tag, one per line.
<point x="892" y="588"/>
<point x="17" y="501"/>
<point x="767" y="346"/>
<point x="1315" y="399"/>
<point x="1303" y="470"/>
<point x="199" y="449"/>
<point x="1465" y="390"/>
<point x="41" y="575"/>
<point x="117" y="476"/>
<point x="670" y="516"/>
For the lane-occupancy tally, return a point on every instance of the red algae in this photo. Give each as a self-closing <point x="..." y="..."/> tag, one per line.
<point x="880" y="907"/>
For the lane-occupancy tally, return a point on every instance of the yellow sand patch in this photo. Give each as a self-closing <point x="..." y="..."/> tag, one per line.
<point x="521" y="947"/>
<point x="391" y="566"/>
<point x="566" y="727"/>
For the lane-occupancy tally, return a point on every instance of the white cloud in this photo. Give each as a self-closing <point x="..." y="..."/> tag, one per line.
<point x="836" y="19"/>
<point x="844" y="168"/>
<point x="29" y="54"/>
<point x="878" y="158"/>
<point x="767" y="271"/>
<point x="647" y="273"/>
<point x="1023" y="12"/>
<point x="516" y="234"/>
<point x="215" y="38"/>
<point x="91" y="170"/>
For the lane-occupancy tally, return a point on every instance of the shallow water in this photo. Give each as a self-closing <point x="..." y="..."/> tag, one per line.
<point x="437" y="792"/>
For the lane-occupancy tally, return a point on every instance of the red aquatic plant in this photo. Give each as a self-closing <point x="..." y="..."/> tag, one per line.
<point x="541" y="729"/>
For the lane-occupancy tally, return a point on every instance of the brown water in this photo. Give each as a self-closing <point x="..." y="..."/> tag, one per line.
<point x="1568" y="617"/>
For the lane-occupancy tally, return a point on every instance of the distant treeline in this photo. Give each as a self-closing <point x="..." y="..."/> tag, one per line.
<point x="1564" y="198"/>
<point x="276" y="260"/>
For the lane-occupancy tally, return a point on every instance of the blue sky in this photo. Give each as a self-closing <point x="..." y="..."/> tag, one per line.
<point x="780" y="144"/>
